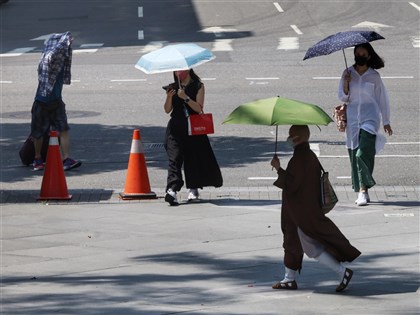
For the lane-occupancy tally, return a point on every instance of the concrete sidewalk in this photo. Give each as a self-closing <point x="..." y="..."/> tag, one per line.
<point x="218" y="256"/>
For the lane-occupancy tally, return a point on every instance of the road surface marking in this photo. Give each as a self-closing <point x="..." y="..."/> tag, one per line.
<point x="415" y="41"/>
<point x="388" y="215"/>
<point x="296" y="29"/>
<point x="153" y="46"/>
<point x="385" y="77"/>
<point x="415" y="5"/>
<point x="372" y="25"/>
<point x="262" y="178"/>
<point x="288" y="43"/>
<point x="343" y="177"/>
<point x="88" y="48"/>
<point x="87" y="51"/>
<point x="140" y="12"/>
<point x="93" y="45"/>
<point x="140" y="35"/>
<point x="129" y="80"/>
<point x="222" y="45"/>
<point x="278" y="7"/>
<point x="272" y="78"/>
<point x="43" y="37"/>
<point x="376" y="156"/>
<point x="17" y="52"/>
<point x="6" y="82"/>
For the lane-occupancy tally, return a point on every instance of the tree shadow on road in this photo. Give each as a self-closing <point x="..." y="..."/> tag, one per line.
<point x="196" y="280"/>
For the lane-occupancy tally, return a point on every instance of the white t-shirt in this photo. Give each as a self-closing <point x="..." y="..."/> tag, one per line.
<point x="367" y="104"/>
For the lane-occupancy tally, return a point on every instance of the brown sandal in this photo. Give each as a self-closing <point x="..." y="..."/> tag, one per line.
<point x="348" y="273"/>
<point x="289" y="285"/>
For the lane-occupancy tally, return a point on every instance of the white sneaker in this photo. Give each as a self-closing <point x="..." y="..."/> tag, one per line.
<point x="367" y="198"/>
<point x="362" y="199"/>
<point x="171" y="198"/>
<point x="193" y="195"/>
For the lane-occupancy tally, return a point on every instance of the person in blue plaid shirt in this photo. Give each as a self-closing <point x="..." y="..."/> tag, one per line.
<point x="48" y="109"/>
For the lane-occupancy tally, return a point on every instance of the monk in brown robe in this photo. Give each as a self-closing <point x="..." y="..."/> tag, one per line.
<point x="305" y="227"/>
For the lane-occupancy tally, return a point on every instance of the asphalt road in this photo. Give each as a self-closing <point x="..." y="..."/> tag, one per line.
<point x="259" y="47"/>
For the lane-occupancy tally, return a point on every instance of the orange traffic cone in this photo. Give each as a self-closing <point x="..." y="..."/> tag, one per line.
<point x="137" y="184"/>
<point x="54" y="184"/>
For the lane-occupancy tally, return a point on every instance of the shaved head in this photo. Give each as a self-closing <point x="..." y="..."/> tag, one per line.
<point x="301" y="131"/>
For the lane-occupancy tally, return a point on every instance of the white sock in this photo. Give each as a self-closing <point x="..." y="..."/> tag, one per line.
<point x="289" y="275"/>
<point x="330" y="262"/>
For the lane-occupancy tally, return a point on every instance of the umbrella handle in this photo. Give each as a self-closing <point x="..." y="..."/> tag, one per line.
<point x="275" y="147"/>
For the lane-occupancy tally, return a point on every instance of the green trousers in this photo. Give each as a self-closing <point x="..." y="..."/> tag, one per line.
<point x="362" y="160"/>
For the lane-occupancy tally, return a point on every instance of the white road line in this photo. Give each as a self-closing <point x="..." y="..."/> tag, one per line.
<point x="153" y="46"/>
<point x="385" y="77"/>
<point x="222" y="45"/>
<point x="388" y="215"/>
<point x="296" y="29"/>
<point x="272" y="78"/>
<point x="415" y="41"/>
<point x="288" y="43"/>
<point x="262" y="178"/>
<point x="140" y="12"/>
<point x="86" y="51"/>
<point x="278" y="7"/>
<point x="315" y="148"/>
<point x="129" y="80"/>
<point x="208" y="79"/>
<point x="140" y="35"/>
<point x="17" y="52"/>
<point x="93" y="45"/>
<point x="343" y="177"/>
<point x="400" y="143"/>
<point x="6" y="82"/>
<point x="377" y="156"/>
<point x="415" y="5"/>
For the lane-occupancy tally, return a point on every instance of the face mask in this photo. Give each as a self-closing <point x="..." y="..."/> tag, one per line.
<point x="360" y="60"/>
<point x="182" y="75"/>
<point x="290" y="141"/>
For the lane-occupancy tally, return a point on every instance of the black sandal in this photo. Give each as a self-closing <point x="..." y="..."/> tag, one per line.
<point x="289" y="285"/>
<point x="348" y="273"/>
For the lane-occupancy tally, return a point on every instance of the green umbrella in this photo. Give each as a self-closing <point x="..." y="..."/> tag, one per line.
<point x="276" y="111"/>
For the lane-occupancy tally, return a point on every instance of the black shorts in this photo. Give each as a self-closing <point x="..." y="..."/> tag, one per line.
<point x="48" y="115"/>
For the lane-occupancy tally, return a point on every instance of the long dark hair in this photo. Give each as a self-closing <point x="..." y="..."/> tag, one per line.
<point x="375" y="62"/>
<point x="193" y="76"/>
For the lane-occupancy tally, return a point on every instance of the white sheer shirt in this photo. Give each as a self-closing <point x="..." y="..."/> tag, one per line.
<point x="368" y="102"/>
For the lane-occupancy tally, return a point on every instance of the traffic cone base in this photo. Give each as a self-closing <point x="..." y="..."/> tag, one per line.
<point x="150" y="195"/>
<point x="54" y="186"/>
<point x="137" y="184"/>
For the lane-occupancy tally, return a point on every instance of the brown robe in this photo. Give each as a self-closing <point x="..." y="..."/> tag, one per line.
<point x="301" y="207"/>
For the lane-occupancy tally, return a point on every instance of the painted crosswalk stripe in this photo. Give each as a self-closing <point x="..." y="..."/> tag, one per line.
<point x="288" y="43"/>
<point x="278" y="7"/>
<point x="88" y="48"/>
<point x="140" y="35"/>
<point x="140" y="12"/>
<point x="415" y="5"/>
<point x="222" y="45"/>
<point x="17" y="52"/>
<point x="153" y="46"/>
<point x="415" y="41"/>
<point x="296" y="29"/>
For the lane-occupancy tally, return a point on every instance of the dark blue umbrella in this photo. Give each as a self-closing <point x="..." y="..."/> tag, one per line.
<point x="340" y="41"/>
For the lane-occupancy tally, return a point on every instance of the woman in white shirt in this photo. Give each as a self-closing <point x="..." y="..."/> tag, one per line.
<point x="367" y="100"/>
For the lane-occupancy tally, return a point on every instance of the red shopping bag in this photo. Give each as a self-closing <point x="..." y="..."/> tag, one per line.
<point x="200" y="124"/>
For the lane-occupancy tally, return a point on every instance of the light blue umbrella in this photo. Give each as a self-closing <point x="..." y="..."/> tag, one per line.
<point x="173" y="58"/>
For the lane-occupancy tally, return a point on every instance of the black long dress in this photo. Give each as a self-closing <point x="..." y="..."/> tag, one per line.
<point x="193" y="152"/>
